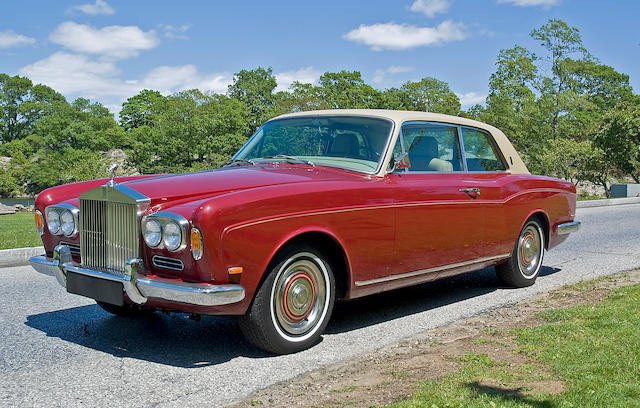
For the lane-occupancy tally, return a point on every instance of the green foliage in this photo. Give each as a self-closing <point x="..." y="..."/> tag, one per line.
<point x="142" y="109"/>
<point x="619" y="138"/>
<point x="195" y="132"/>
<point x="566" y="113"/>
<point x="255" y="90"/>
<point x="430" y="95"/>
<point x="22" y="104"/>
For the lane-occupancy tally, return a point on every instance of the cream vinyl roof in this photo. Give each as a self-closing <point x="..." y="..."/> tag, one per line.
<point x="514" y="163"/>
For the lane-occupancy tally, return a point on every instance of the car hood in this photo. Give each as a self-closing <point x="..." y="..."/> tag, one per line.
<point x="204" y="184"/>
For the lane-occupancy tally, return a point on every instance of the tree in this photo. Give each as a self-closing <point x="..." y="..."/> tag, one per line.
<point x="346" y="90"/>
<point x="619" y="139"/>
<point x="430" y="95"/>
<point x="142" y="109"/>
<point x="196" y="131"/>
<point x="22" y="104"/>
<point x="255" y="89"/>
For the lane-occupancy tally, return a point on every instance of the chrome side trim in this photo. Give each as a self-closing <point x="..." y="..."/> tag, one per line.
<point x="568" y="227"/>
<point x="137" y="286"/>
<point x="431" y="270"/>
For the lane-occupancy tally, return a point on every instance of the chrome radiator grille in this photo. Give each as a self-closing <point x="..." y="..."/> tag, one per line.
<point x="108" y="234"/>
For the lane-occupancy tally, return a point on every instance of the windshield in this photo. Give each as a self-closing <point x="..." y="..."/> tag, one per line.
<point x="354" y="143"/>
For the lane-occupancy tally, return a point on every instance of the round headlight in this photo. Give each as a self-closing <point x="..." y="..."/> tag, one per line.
<point x="53" y="221"/>
<point x="67" y="223"/>
<point x="172" y="236"/>
<point x="152" y="232"/>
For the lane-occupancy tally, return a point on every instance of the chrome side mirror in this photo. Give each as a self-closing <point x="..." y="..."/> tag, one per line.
<point x="399" y="163"/>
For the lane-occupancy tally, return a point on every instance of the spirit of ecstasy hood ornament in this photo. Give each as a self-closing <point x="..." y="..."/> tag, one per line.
<point x="112" y="170"/>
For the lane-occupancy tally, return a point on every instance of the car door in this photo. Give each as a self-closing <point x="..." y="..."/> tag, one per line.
<point x="440" y="213"/>
<point x="487" y="172"/>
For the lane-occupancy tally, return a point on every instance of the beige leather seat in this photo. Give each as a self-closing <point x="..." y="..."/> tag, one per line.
<point x="423" y="155"/>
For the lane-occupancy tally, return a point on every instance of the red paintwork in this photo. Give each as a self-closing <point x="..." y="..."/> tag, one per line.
<point x="386" y="226"/>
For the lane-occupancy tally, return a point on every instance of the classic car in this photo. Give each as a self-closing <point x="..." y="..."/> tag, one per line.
<point x="316" y="206"/>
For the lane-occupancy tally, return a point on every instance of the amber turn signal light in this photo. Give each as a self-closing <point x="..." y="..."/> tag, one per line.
<point x="39" y="222"/>
<point x="196" y="243"/>
<point x="235" y="273"/>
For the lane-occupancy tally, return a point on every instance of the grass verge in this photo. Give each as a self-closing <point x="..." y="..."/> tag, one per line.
<point x="582" y="356"/>
<point x="18" y="231"/>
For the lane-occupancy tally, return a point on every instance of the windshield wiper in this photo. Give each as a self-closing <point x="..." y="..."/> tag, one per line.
<point x="291" y="159"/>
<point x="237" y="162"/>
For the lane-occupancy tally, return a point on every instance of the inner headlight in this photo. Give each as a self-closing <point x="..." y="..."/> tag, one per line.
<point x="172" y="236"/>
<point x="67" y="223"/>
<point x="53" y="221"/>
<point x="152" y="232"/>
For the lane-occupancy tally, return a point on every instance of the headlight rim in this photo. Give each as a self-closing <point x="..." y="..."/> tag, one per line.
<point x="59" y="210"/>
<point x="144" y="232"/>
<point x="164" y="218"/>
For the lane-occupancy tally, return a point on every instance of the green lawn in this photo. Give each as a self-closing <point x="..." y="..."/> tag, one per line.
<point x="18" y="230"/>
<point x="592" y="351"/>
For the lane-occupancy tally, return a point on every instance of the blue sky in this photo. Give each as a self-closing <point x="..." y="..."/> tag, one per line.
<point x="108" y="50"/>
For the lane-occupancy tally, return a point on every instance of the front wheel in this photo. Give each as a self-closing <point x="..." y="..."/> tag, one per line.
<point x="293" y="305"/>
<point x="523" y="267"/>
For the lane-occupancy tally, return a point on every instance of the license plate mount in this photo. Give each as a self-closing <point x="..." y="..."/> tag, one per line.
<point x="95" y="288"/>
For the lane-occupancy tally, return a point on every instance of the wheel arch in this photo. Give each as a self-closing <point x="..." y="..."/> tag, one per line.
<point x="540" y="216"/>
<point x="324" y="241"/>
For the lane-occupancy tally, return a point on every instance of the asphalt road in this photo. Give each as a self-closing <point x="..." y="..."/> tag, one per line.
<point x="58" y="349"/>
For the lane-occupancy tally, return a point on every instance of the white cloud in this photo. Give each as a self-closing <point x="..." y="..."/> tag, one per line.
<point x="73" y="74"/>
<point x="176" y="32"/>
<point x="306" y="75"/>
<point x="79" y="76"/>
<point x="99" y="7"/>
<point x="527" y="3"/>
<point x="430" y="7"/>
<point x="110" y="41"/>
<point x="380" y="75"/>
<point x="391" y="36"/>
<point x="10" y="39"/>
<point x="170" y="79"/>
<point x="471" y="98"/>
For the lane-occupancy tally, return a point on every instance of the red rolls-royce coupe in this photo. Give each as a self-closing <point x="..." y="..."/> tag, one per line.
<point x="316" y="206"/>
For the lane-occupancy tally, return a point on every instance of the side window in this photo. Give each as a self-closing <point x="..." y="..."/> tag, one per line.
<point x="431" y="147"/>
<point x="480" y="152"/>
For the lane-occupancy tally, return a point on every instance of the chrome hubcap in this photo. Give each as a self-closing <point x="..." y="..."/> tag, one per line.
<point x="299" y="296"/>
<point x="529" y="251"/>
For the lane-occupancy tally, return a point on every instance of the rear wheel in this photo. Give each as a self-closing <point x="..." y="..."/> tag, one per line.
<point x="125" y="310"/>
<point x="293" y="305"/>
<point x="523" y="267"/>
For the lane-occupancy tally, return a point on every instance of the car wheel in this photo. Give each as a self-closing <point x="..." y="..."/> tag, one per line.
<point x="293" y="305"/>
<point x="124" y="310"/>
<point x="523" y="267"/>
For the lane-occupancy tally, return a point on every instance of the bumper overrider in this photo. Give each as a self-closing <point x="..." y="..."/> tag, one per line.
<point x="137" y="286"/>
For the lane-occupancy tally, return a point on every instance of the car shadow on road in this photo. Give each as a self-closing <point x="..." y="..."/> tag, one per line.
<point x="370" y="310"/>
<point x="171" y="339"/>
<point x="175" y="340"/>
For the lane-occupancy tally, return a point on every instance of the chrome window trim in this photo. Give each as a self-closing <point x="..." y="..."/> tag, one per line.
<point x="163" y="217"/>
<point x="496" y="149"/>
<point x="75" y="212"/>
<point x="429" y="122"/>
<point x="384" y="152"/>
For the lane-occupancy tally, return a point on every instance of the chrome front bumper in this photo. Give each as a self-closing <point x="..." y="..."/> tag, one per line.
<point x="139" y="287"/>
<point x="568" y="227"/>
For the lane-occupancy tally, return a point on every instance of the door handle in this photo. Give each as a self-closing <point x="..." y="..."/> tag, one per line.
<point x="473" y="192"/>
